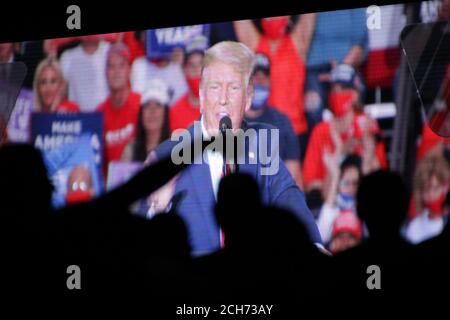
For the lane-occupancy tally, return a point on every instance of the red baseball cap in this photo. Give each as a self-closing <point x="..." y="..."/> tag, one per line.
<point x="347" y="222"/>
<point x="77" y="196"/>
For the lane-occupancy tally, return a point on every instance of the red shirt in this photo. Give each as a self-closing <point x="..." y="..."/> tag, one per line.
<point x="119" y="125"/>
<point x="287" y="74"/>
<point x="314" y="168"/>
<point x="67" y="106"/>
<point x="182" y="114"/>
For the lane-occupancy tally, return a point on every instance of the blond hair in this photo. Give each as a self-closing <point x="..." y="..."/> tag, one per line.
<point x="428" y="167"/>
<point x="233" y="53"/>
<point x="48" y="63"/>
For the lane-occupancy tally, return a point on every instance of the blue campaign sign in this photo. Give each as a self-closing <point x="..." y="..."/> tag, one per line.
<point x="72" y="146"/>
<point x="161" y="42"/>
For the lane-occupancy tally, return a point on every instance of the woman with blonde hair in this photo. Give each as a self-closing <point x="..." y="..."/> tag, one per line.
<point x="431" y="184"/>
<point x="49" y="89"/>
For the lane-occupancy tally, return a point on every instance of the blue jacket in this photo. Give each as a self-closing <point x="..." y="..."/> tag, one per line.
<point x="197" y="205"/>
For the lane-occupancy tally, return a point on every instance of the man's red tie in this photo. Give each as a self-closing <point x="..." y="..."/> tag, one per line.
<point x="226" y="171"/>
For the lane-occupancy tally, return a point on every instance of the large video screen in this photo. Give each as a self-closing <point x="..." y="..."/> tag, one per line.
<point x="338" y="96"/>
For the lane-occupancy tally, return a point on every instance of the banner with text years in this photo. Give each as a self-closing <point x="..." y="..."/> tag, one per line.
<point x="161" y="42"/>
<point x="72" y="147"/>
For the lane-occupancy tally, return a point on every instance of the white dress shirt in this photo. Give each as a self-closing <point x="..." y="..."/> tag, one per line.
<point x="86" y="76"/>
<point x="215" y="161"/>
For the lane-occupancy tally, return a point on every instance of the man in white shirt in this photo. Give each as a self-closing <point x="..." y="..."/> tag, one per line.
<point x="84" y="68"/>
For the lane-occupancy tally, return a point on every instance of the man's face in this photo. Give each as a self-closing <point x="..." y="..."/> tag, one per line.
<point x="224" y="93"/>
<point x="261" y="78"/>
<point x="193" y="66"/>
<point x="118" y="72"/>
<point x="80" y="180"/>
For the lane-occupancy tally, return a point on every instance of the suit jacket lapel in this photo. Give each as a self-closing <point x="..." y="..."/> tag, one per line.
<point x="248" y="161"/>
<point x="200" y="184"/>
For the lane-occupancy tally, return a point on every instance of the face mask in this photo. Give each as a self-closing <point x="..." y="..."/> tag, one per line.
<point x="194" y="85"/>
<point x="274" y="28"/>
<point x="77" y="196"/>
<point x="340" y="102"/>
<point x="260" y="96"/>
<point x="345" y="201"/>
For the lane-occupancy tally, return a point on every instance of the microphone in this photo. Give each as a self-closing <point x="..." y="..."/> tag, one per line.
<point x="224" y="125"/>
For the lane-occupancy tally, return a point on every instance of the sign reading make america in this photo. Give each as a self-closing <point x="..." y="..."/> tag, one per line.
<point x="72" y="146"/>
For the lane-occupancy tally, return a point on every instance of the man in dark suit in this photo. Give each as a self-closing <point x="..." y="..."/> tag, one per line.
<point x="226" y="91"/>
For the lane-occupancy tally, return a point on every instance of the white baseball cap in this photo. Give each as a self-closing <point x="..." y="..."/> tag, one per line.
<point x="156" y="90"/>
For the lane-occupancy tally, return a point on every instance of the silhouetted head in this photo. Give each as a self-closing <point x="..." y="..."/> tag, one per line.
<point x="238" y="204"/>
<point x="382" y="203"/>
<point x="25" y="188"/>
<point x="284" y="234"/>
<point x="169" y="237"/>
